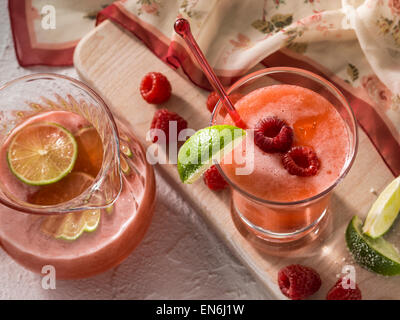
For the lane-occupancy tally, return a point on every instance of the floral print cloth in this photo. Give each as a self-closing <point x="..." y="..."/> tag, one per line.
<point x="353" y="43"/>
<point x="46" y="32"/>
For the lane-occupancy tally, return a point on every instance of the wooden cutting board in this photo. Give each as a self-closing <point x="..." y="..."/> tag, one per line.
<point x="113" y="62"/>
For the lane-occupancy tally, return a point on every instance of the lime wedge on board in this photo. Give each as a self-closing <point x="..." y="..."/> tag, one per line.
<point x="384" y="211"/>
<point x="376" y="255"/>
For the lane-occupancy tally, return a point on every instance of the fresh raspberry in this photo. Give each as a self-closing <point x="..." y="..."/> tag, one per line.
<point x="155" y="88"/>
<point x="301" y="161"/>
<point x="297" y="282"/>
<point x="212" y="101"/>
<point x="161" y="121"/>
<point x="337" y="292"/>
<point x="213" y="98"/>
<point x="273" y="135"/>
<point x="214" y="180"/>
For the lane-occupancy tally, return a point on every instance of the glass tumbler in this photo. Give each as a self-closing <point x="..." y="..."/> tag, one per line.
<point x="280" y="224"/>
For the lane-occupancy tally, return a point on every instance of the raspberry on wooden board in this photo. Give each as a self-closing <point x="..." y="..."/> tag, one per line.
<point x="338" y="292"/>
<point x="213" y="98"/>
<point x="298" y="282"/>
<point x="155" y="88"/>
<point x="161" y="120"/>
<point x="214" y="180"/>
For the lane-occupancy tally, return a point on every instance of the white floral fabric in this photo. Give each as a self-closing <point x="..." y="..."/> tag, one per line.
<point x="358" y="41"/>
<point x="353" y="43"/>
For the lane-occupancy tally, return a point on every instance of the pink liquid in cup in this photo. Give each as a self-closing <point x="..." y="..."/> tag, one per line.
<point x="121" y="228"/>
<point x="269" y="202"/>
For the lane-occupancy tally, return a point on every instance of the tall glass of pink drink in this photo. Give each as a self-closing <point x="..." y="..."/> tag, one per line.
<point x="268" y="203"/>
<point x="117" y="181"/>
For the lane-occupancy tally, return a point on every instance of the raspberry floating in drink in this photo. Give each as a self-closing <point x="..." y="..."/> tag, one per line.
<point x="283" y="170"/>
<point x="272" y="134"/>
<point x="301" y="161"/>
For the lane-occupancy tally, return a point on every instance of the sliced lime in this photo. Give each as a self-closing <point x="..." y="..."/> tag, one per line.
<point x="124" y="147"/>
<point x="384" y="211"/>
<point x="68" y="226"/>
<point x="72" y="225"/>
<point x="64" y="190"/>
<point x="92" y="219"/>
<point x="126" y="169"/>
<point x="110" y="209"/>
<point x="198" y="152"/>
<point x="42" y="153"/>
<point x="376" y="255"/>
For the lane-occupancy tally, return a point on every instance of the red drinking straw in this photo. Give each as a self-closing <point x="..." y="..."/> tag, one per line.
<point x="182" y="27"/>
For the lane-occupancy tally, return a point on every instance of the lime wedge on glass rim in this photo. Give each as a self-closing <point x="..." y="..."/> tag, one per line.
<point x="376" y="255"/>
<point x="198" y="152"/>
<point x="384" y="211"/>
<point x="42" y="153"/>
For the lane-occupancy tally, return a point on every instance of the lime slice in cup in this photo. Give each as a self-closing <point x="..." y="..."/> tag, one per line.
<point x="384" y="211"/>
<point x="126" y="169"/>
<point x="69" y="226"/>
<point x="124" y="147"/>
<point x="198" y="152"/>
<point x="72" y="225"/>
<point x="42" y="153"/>
<point x="376" y="255"/>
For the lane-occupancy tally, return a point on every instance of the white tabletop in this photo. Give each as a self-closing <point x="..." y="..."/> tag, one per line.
<point x="179" y="258"/>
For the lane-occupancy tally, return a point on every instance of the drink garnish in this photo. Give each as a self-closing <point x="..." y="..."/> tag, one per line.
<point x="126" y="169"/>
<point x="272" y="135"/>
<point x="301" y="161"/>
<point x="124" y="148"/>
<point x="69" y="226"/>
<point x="42" y="153"/>
<point x="198" y="152"/>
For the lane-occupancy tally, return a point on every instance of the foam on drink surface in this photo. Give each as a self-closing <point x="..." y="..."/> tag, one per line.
<point x="316" y="123"/>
